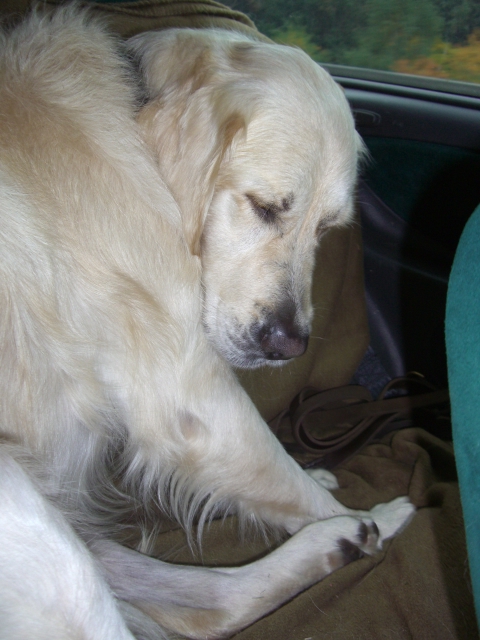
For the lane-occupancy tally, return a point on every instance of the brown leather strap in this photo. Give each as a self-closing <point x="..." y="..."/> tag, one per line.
<point x="336" y="423"/>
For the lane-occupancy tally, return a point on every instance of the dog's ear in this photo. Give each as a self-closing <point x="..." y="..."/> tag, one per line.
<point x="229" y="131"/>
<point x="191" y="121"/>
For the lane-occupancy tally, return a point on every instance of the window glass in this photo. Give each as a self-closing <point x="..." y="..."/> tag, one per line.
<point x="436" y="38"/>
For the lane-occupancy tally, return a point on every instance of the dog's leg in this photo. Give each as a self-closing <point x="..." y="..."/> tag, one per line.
<point x="50" y="586"/>
<point x="198" y="437"/>
<point x="202" y="603"/>
<point x="229" y="456"/>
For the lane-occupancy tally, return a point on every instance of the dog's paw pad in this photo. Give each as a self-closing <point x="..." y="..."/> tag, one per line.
<point x="349" y="551"/>
<point x="368" y="536"/>
<point x="363" y="539"/>
<point x="324" y="478"/>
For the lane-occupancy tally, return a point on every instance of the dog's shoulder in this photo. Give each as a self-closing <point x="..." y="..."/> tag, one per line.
<point x="61" y="75"/>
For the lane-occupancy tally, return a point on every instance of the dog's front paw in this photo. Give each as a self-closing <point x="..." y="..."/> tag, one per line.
<point x="366" y="540"/>
<point x="324" y="478"/>
<point x="392" y="517"/>
<point x="353" y="537"/>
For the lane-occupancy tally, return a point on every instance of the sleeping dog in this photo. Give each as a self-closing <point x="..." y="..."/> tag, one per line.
<point x="146" y="247"/>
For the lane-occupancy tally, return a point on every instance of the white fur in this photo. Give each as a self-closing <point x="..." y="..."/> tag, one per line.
<point x="117" y="295"/>
<point x="50" y="587"/>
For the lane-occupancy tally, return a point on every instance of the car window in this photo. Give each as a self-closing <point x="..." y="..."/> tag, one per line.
<point x="424" y="38"/>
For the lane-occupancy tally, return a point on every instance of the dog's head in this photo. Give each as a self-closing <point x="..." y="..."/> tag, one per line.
<point x="258" y="145"/>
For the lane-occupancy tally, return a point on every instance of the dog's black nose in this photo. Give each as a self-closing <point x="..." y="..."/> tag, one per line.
<point x="282" y="340"/>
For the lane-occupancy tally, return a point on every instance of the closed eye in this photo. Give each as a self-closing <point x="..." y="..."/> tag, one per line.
<point x="266" y="211"/>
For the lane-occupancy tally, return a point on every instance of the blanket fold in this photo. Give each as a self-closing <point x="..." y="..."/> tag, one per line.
<point x="417" y="587"/>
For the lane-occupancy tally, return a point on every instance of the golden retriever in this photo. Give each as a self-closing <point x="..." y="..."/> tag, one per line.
<point x="154" y="232"/>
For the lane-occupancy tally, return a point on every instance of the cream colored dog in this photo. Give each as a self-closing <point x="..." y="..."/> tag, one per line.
<point x="121" y="301"/>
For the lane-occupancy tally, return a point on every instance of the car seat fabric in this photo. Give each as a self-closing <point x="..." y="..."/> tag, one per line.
<point x="463" y="358"/>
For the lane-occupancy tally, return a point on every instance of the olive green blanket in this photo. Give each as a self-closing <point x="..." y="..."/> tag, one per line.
<point x="416" y="588"/>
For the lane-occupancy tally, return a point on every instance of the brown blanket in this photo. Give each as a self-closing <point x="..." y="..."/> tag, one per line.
<point x="417" y="587"/>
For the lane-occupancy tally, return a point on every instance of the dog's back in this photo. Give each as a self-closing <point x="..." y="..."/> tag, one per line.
<point x="82" y="212"/>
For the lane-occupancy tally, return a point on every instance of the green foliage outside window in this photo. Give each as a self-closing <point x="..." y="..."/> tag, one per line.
<point x="438" y="38"/>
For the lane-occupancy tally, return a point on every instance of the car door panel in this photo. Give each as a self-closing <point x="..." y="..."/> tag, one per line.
<point x="419" y="185"/>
